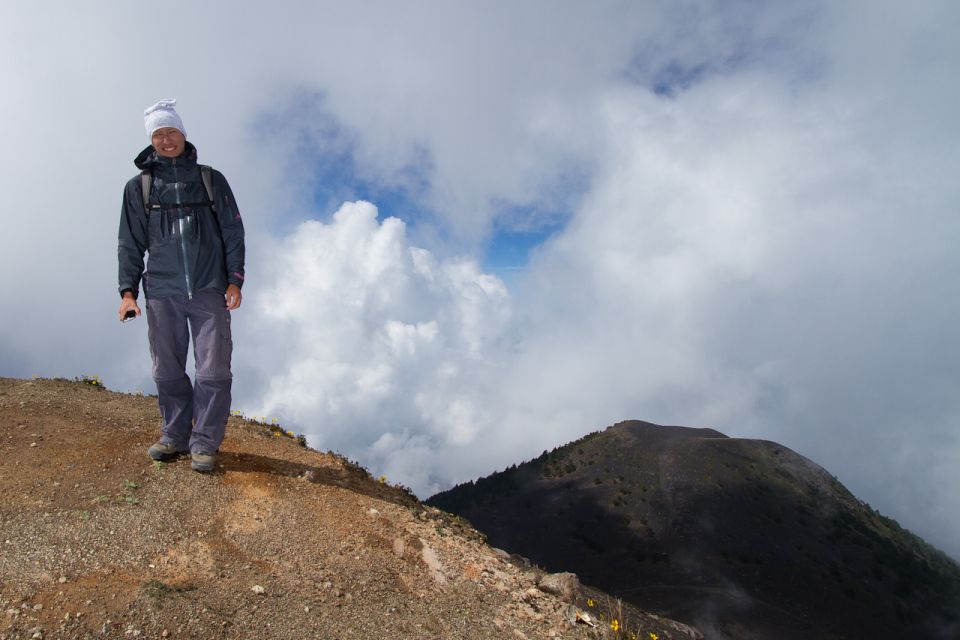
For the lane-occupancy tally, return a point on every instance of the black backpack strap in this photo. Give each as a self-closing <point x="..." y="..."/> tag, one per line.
<point x="146" y="183"/>
<point x="206" y="175"/>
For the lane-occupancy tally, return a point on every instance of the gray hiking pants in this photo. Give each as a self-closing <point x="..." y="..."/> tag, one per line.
<point x="194" y="417"/>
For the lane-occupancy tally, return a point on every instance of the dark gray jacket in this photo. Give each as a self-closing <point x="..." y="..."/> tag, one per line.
<point x="191" y="246"/>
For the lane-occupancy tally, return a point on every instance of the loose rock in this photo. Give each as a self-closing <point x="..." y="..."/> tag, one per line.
<point x="566" y="585"/>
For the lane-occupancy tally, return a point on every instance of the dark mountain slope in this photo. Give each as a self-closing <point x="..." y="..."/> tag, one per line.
<point x="743" y="538"/>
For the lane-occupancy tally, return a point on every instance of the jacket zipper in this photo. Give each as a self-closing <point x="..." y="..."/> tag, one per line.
<point x="183" y="239"/>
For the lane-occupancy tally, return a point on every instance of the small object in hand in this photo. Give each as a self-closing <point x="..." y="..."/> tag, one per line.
<point x="129" y="315"/>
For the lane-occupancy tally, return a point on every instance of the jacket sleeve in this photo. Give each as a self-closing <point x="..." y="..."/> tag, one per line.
<point x="231" y="229"/>
<point x="133" y="238"/>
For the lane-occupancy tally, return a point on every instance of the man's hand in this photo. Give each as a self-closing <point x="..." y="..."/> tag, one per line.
<point x="233" y="297"/>
<point x="129" y="303"/>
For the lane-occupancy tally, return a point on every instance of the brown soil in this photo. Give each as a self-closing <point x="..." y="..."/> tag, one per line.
<point x="281" y="541"/>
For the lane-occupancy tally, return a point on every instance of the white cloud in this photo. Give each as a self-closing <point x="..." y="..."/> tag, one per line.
<point x="383" y="342"/>
<point x="770" y="260"/>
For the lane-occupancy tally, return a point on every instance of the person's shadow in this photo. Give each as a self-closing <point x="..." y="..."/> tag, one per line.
<point x="348" y="476"/>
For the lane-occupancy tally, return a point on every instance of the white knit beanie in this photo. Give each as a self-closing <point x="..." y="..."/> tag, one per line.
<point x="162" y="115"/>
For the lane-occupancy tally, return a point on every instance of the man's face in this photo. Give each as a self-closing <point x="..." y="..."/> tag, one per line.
<point x="168" y="142"/>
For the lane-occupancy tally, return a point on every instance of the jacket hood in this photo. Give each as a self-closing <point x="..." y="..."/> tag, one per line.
<point x="149" y="159"/>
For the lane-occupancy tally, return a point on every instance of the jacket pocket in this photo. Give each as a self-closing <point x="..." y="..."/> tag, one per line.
<point x="163" y="263"/>
<point x="159" y="227"/>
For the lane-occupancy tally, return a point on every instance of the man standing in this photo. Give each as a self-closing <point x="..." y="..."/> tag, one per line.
<point x="184" y="217"/>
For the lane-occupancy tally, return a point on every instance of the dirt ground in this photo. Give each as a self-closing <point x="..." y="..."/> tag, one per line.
<point x="98" y="541"/>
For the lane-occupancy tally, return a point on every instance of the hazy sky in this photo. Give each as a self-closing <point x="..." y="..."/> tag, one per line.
<point x="478" y="230"/>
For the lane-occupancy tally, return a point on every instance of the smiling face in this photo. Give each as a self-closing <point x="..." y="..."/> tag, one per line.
<point x="168" y="142"/>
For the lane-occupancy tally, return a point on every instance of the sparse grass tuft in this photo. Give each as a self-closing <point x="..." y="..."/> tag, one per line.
<point x="272" y="426"/>
<point x="93" y="381"/>
<point x="158" y="590"/>
<point x="618" y="621"/>
<point x="129" y="486"/>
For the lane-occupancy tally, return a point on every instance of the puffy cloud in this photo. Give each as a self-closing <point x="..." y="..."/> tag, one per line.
<point x="382" y="344"/>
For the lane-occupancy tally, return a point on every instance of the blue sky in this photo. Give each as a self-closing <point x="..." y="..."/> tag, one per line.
<point x="480" y="230"/>
<point x="327" y="151"/>
<point x="509" y="250"/>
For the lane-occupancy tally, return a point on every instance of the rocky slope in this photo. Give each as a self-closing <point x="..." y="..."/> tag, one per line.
<point x="742" y="538"/>
<point x="97" y="541"/>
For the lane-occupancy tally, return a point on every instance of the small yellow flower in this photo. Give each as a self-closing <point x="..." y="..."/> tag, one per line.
<point x="590" y="602"/>
<point x="290" y="434"/>
<point x="382" y="479"/>
<point x="276" y="434"/>
<point x="615" y="624"/>
<point x="654" y="636"/>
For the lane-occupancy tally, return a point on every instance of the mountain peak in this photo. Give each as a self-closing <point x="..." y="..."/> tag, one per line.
<point x="741" y="538"/>
<point x="654" y="433"/>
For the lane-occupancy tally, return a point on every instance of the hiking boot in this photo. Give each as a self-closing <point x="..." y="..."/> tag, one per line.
<point x="164" y="451"/>
<point x="203" y="461"/>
